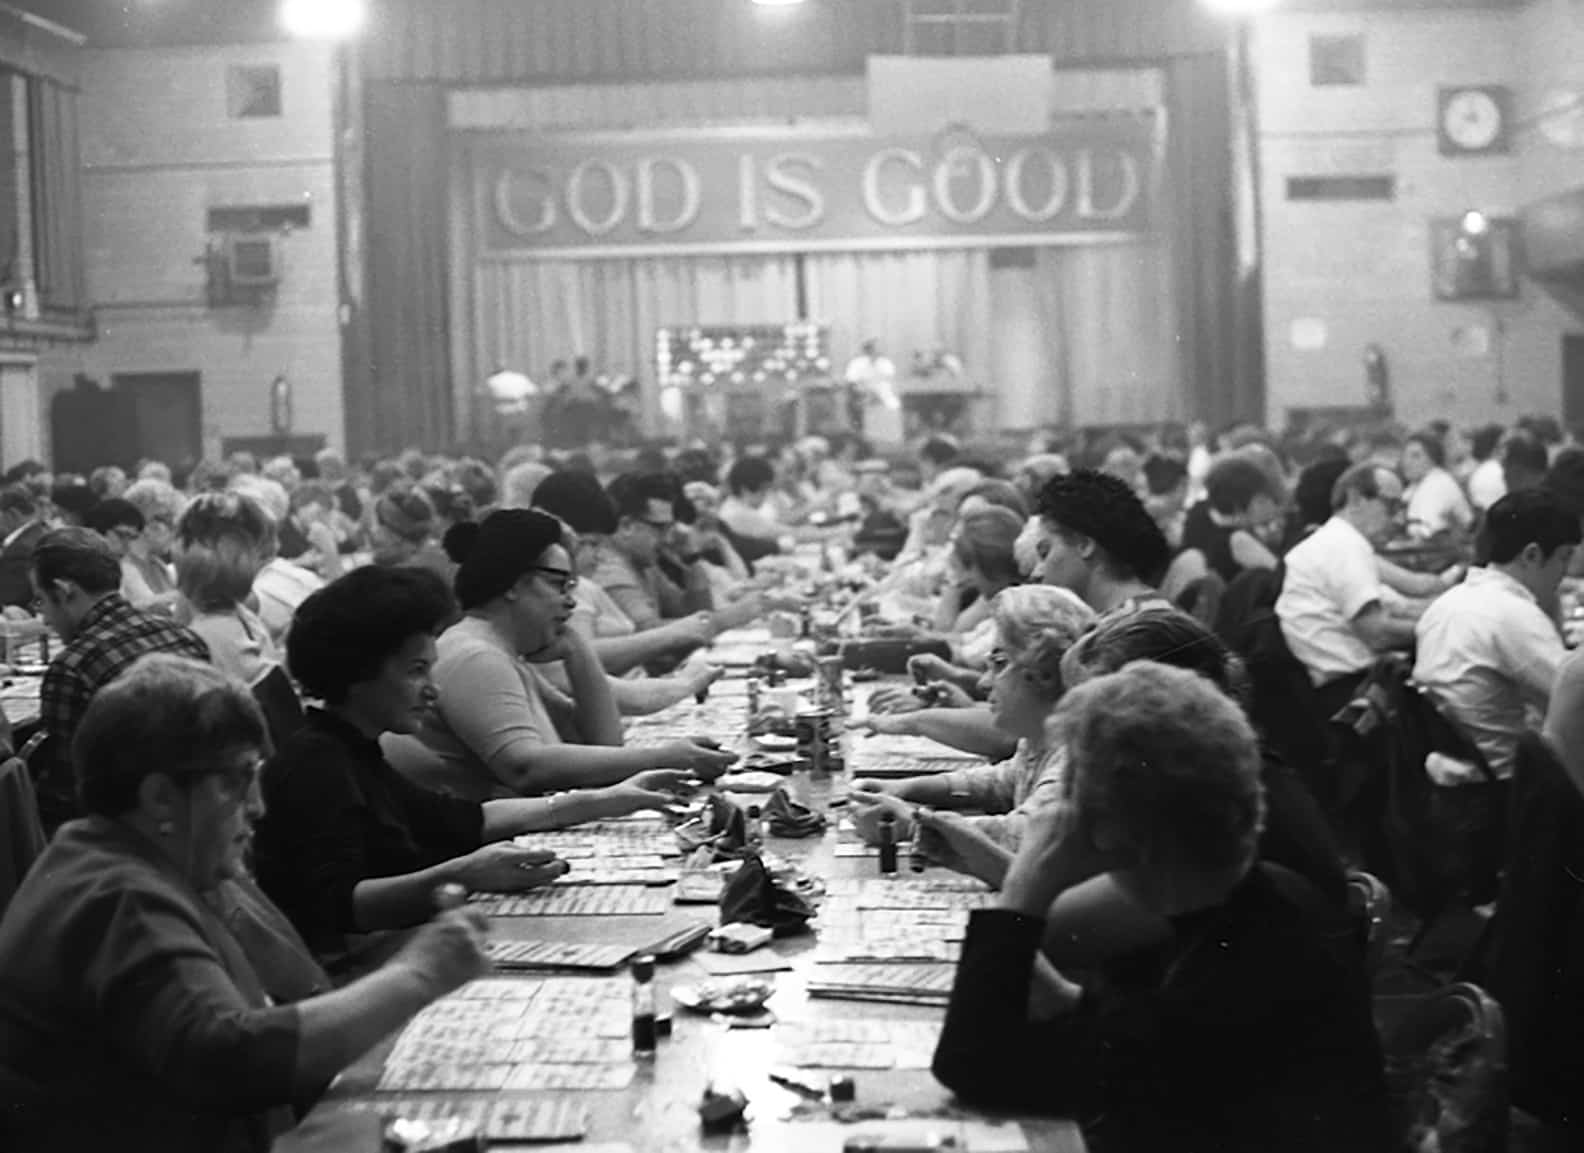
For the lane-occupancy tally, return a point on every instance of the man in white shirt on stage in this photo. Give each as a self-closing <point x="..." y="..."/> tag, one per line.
<point x="877" y="410"/>
<point x="1488" y="650"/>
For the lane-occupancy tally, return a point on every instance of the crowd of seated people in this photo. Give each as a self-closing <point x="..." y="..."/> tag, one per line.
<point x="467" y="640"/>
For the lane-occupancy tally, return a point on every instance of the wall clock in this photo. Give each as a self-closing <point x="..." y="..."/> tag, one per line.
<point x="1474" y="120"/>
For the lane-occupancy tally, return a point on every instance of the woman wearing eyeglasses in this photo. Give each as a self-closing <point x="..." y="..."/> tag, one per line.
<point x="500" y="727"/>
<point x="1035" y="625"/>
<point x="122" y="526"/>
<point x="147" y="563"/>
<point x="350" y="847"/>
<point x="139" y="1005"/>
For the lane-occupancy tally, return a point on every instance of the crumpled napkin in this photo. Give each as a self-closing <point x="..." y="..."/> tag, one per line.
<point x="752" y="896"/>
<point x="788" y="818"/>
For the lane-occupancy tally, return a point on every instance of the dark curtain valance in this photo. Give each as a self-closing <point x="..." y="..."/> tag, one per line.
<point x="567" y="41"/>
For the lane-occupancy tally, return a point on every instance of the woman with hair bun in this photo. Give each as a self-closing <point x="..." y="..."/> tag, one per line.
<point x="404" y="531"/>
<point x="501" y="728"/>
<point x="348" y="845"/>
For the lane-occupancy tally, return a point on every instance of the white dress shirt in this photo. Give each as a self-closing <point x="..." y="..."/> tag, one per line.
<point x="1332" y="576"/>
<point x="1437" y="504"/>
<point x="747" y="521"/>
<point x="1487" y="651"/>
<point x="1487" y="484"/>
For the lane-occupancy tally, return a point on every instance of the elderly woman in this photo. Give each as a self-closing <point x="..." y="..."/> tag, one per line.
<point x="1098" y="919"/>
<point x="223" y="540"/>
<point x="983" y="562"/>
<point x="520" y="481"/>
<point x="149" y="556"/>
<point x="133" y="1015"/>
<point x="501" y="728"/>
<point x="1247" y="1027"/>
<point x="348" y="845"/>
<point x="122" y="526"/>
<point x="1035" y="625"/>
<point x="406" y="531"/>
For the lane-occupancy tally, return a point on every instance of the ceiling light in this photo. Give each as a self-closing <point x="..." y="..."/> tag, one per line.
<point x="1475" y="223"/>
<point x="323" y="19"/>
<point x="777" y="3"/>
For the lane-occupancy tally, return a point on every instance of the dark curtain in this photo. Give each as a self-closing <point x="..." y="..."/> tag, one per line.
<point x="401" y="395"/>
<point x="57" y="197"/>
<point x="1217" y="309"/>
<point x="10" y="240"/>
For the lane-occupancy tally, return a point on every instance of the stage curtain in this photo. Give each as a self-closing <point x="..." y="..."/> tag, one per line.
<point x="534" y="312"/>
<point x="1111" y="311"/>
<point x="58" y="252"/>
<point x="1094" y="344"/>
<point x="1222" y="381"/>
<point x="908" y="301"/>
<point x="402" y="396"/>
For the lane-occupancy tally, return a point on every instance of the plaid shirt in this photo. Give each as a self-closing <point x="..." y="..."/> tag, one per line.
<point x="112" y="636"/>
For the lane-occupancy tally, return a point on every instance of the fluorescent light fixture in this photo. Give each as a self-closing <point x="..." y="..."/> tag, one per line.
<point x="323" y="19"/>
<point x="1240" y="7"/>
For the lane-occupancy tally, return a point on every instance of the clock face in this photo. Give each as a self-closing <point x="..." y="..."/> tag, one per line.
<point x="1472" y="119"/>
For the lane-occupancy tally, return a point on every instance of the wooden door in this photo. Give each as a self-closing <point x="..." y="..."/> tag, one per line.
<point x="167" y="414"/>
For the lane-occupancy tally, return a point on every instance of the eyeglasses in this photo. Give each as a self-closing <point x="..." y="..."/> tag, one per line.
<point x="564" y="581"/>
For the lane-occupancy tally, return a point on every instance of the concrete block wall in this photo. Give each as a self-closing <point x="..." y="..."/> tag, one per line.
<point x="1360" y="270"/>
<point x="159" y="150"/>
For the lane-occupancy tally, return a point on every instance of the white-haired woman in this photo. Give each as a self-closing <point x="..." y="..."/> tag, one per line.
<point x="1247" y="1027"/>
<point x="150" y="996"/>
<point x="150" y="580"/>
<point x="1035" y="626"/>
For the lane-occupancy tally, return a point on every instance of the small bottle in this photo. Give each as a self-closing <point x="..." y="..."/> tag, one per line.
<point x="888" y="845"/>
<point x="755" y="828"/>
<point x="643" y="1018"/>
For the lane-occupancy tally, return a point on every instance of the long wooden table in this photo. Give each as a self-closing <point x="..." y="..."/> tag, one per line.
<point x="657" y="1111"/>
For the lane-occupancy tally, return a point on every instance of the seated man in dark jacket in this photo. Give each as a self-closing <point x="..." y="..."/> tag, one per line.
<point x="1248" y="1030"/>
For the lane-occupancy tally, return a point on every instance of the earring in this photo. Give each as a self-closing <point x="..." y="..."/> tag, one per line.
<point x="166" y="828"/>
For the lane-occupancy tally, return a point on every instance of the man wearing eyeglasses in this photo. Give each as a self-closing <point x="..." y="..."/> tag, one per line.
<point x="1334" y="606"/>
<point x="628" y="566"/>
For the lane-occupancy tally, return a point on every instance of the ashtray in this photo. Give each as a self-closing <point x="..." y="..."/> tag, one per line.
<point x="739" y="996"/>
